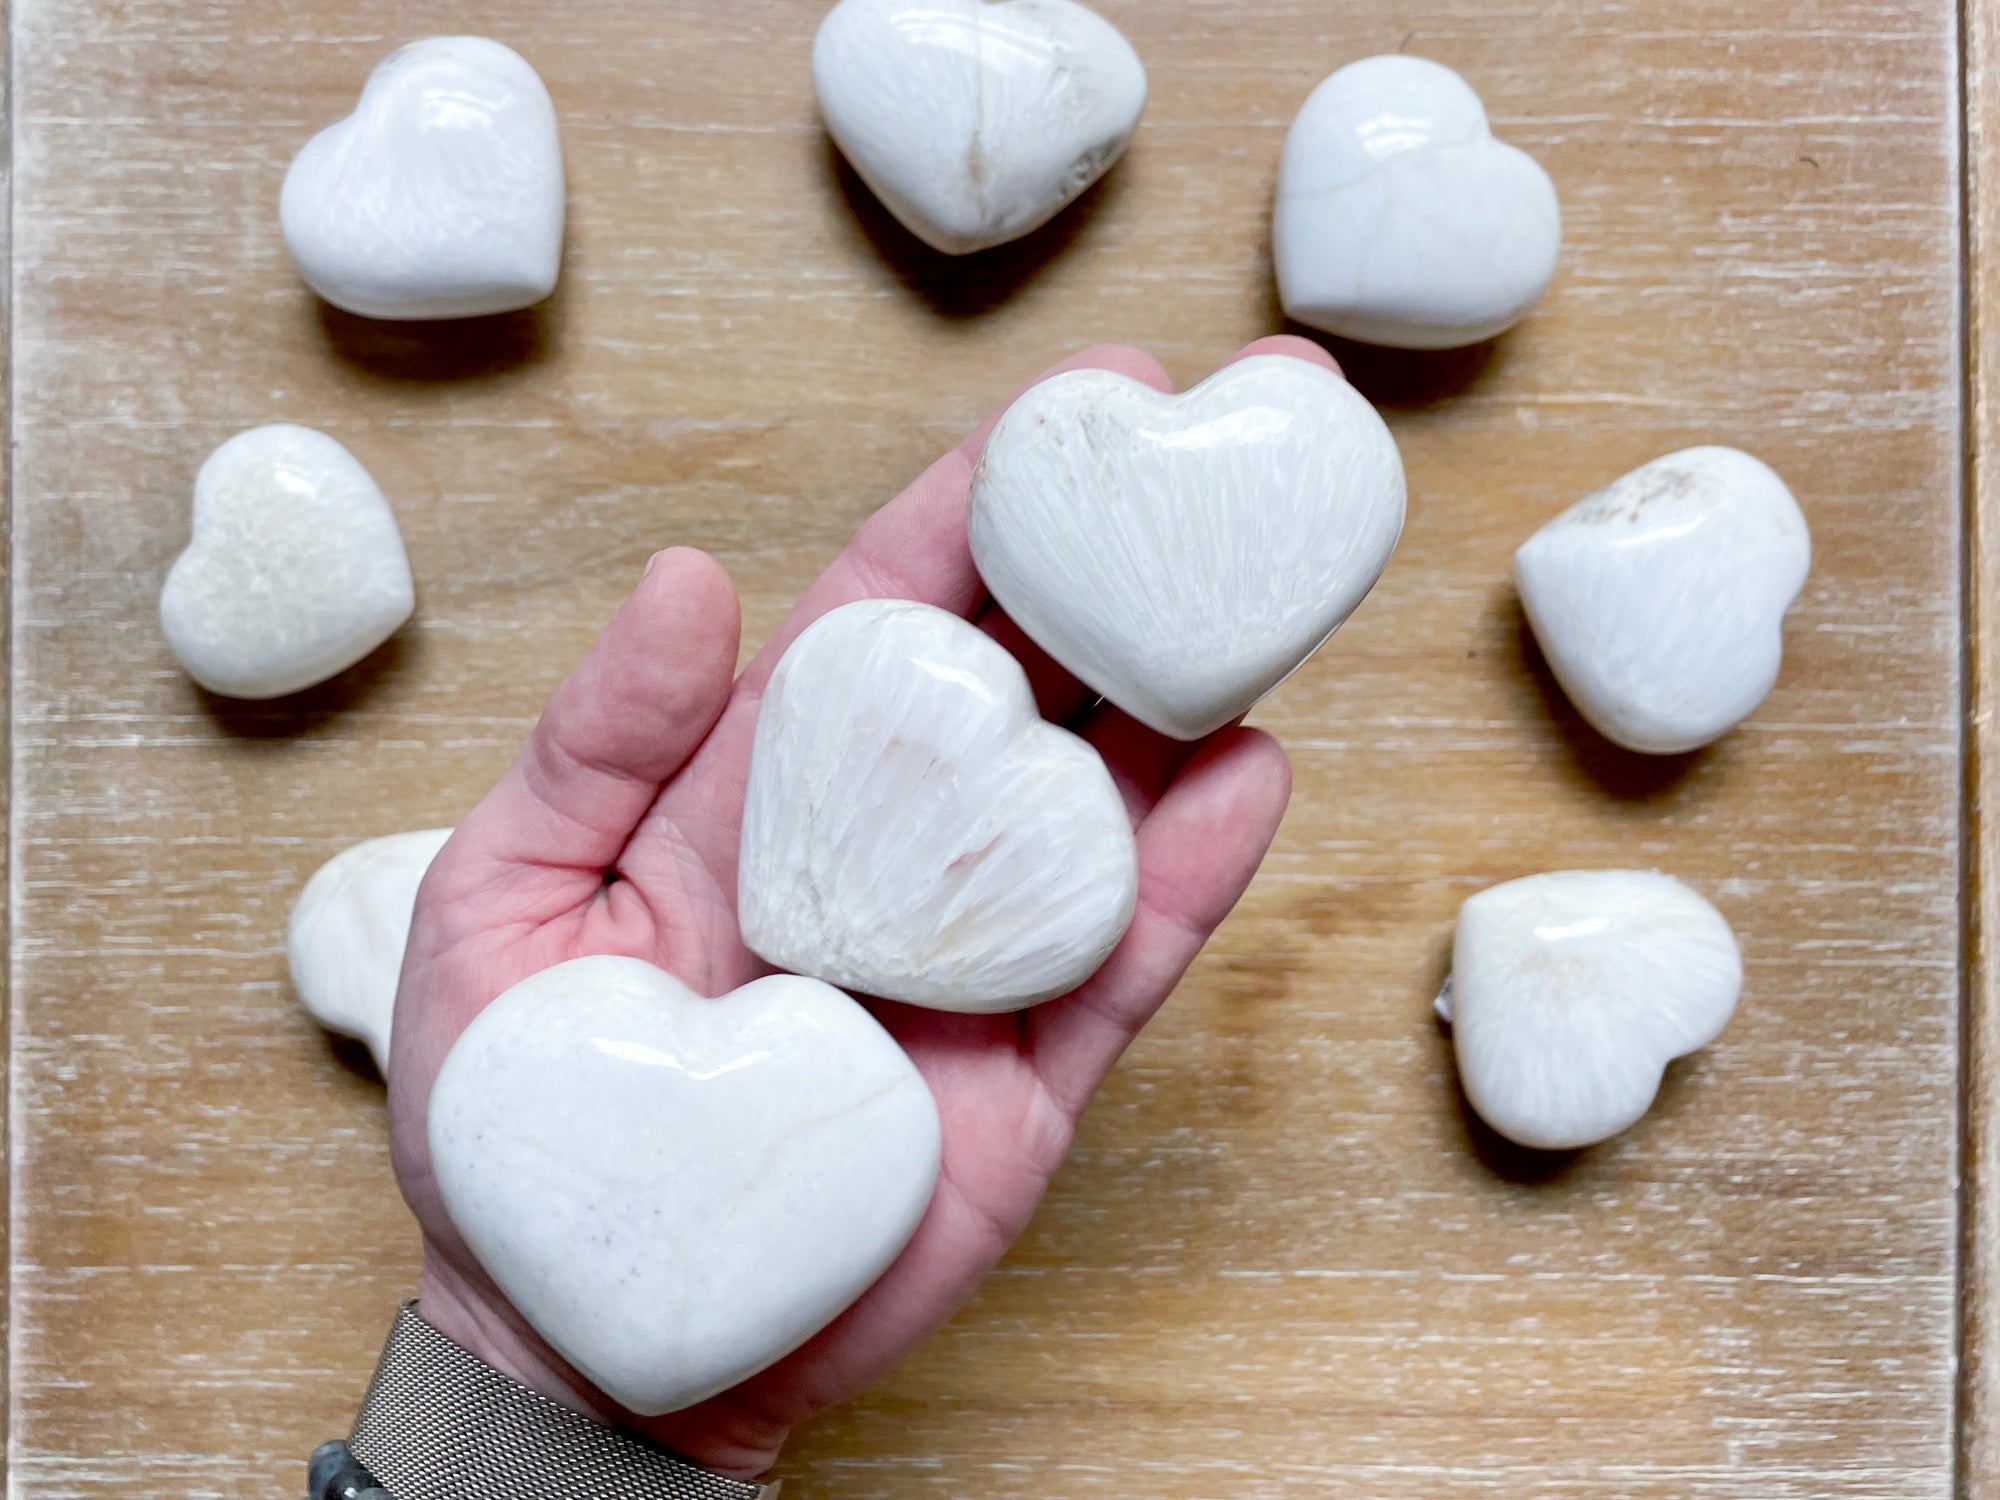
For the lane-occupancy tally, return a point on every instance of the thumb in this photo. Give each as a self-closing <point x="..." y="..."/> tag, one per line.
<point x="617" y="728"/>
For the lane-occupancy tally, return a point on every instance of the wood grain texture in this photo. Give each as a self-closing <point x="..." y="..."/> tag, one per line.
<point x="1282" y="1261"/>
<point x="6" y="627"/>
<point x="1979" y="1434"/>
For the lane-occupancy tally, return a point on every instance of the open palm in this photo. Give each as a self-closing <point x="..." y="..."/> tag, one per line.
<point x="616" y="832"/>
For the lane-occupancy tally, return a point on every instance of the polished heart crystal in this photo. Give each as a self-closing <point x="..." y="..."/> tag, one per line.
<point x="295" y="570"/>
<point x="1660" y="600"/>
<point x="441" y="196"/>
<point x="1183" y="554"/>
<point x="1571" y="992"/>
<point x="976" y="123"/>
<point x="1400" y="219"/>
<point x="349" y="928"/>
<point x="914" y="830"/>
<point x="676" y="1191"/>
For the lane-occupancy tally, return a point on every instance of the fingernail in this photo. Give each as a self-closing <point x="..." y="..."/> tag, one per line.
<point x="650" y="561"/>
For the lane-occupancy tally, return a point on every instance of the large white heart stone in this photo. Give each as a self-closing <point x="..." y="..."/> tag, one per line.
<point x="348" y="931"/>
<point x="1182" y="555"/>
<point x="1659" y="601"/>
<point x="913" y="828"/>
<point x="295" y="570"/>
<point x="1401" y="220"/>
<point x="1571" y="992"/>
<point x="677" y="1191"/>
<point x="441" y="196"/>
<point x="976" y="123"/>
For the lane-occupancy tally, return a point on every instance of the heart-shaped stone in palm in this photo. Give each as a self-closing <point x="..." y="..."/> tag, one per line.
<point x="349" y="928"/>
<point x="914" y="830"/>
<point x="1571" y="992"/>
<point x="1660" y="600"/>
<point x="677" y="1191"/>
<point x="441" y="196"/>
<point x="295" y="570"/>
<point x="1183" y="554"/>
<point x="1400" y="219"/>
<point x="976" y="123"/>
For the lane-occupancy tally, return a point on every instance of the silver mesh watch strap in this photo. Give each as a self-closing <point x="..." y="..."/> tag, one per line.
<point x="442" y="1424"/>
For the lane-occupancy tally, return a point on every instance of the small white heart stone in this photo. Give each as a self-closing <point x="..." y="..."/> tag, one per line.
<point x="914" y="830"/>
<point x="1182" y="555"/>
<point x="348" y="931"/>
<point x="976" y="123"/>
<point x="1571" y="992"/>
<point x="677" y="1191"/>
<point x="295" y="570"/>
<point x="1401" y="220"/>
<point x="1659" y="601"/>
<point x="441" y="196"/>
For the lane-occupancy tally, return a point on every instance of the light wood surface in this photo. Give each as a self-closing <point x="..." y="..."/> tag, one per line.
<point x="1979" y="1432"/>
<point x="1282" y="1261"/>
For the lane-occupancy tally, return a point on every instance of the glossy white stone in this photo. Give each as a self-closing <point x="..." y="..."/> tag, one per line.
<point x="295" y="570"/>
<point x="913" y="828"/>
<point x="1182" y="555"/>
<point x="677" y="1191"/>
<point x="1401" y="220"/>
<point x="976" y="123"/>
<point x="1571" y="992"/>
<point x="441" y="196"/>
<point x="1659" y="601"/>
<point x="348" y="931"/>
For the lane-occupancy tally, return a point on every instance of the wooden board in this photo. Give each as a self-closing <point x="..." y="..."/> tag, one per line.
<point x="1282" y="1261"/>
<point x="1980" y="1193"/>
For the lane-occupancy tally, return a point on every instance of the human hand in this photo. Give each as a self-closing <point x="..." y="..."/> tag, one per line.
<point x="615" y="832"/>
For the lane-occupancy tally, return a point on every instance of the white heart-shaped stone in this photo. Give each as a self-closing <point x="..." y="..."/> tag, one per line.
<point x="914" y="830"/>
<point x="441" y="196"/>
<point x="677" y="1191"/>
<point x="295" y="570"/>
<point x="1401" y="220"/>
<point x="1571" y="992"/>
<point x="976" y="123"/>
<point x="1659" y="601"/>
<point x="348" y="931"/>
<point x="1182" y="555"/>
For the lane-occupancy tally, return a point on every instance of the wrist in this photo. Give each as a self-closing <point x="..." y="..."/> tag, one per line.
<point x="724" y="1435"/>
<point x="469" y="1314"/>
<point x="441" y="1423"/>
